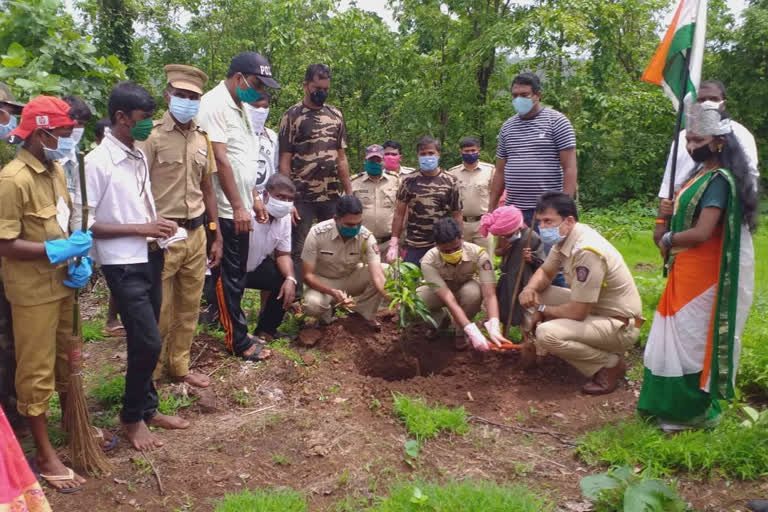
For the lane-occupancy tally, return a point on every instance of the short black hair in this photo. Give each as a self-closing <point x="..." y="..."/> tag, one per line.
<point x="100" y="127"/>
<point x="528" y="78"/>
<point x="427" y="140"/>
<point x="129" y="96"/>
<point x="80" y="110"/>
<point x="393" y="144"/>
<point x="446" y="230"/>
<point x="280" y="181"/>
<point x="470" y="141"/>
<point x="349" y="205"/>
<point x="318" y="70"/>
<point x="717" y="84"/>
<point x="561" y="202"/>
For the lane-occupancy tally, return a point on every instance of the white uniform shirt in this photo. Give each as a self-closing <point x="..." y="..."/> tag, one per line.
<point x="685" y="163"/>
<point x="267" y="237"/>
<point x="225" y="122"/>
<point x="268" y="156"/>
<point x="119" y="192"/>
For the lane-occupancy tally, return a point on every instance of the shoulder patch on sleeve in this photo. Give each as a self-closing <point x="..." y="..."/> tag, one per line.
<point x="582" y="274"/>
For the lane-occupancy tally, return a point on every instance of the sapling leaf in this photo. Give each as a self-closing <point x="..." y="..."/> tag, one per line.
<point x="593" y="485"/>
<point x="412" y="448"/>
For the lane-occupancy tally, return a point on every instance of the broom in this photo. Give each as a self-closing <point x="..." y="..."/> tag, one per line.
<point x="86" y="451"/>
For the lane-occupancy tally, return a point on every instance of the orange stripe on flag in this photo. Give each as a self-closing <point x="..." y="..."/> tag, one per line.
<point x="654" y="73"/>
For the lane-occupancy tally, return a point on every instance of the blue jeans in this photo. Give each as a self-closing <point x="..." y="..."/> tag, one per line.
<point x="414" y="254"/>
<point x="528" y="214"/>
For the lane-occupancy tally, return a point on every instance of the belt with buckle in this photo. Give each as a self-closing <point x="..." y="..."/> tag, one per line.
<point x="190" y="224"/>
<point x="472" y="219"/>
<point x="638" y="320"/>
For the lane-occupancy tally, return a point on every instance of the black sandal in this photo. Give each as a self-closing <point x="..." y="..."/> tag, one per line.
<point x="255" y="356"/>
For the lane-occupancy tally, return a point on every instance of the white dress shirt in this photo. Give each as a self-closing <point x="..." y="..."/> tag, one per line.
<point x="265" y="238"/>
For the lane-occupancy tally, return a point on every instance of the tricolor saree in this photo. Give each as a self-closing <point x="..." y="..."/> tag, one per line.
<point x="19" y="490"/>
<point x="692" y="353"/>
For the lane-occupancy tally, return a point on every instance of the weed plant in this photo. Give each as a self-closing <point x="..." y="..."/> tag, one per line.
<point x="169" y="404"/>
<point x="93" y="330"/>
<point x="109" y="392"/>
<point x="426" y="422"/>
<point x="263" y="501"/>
<point x="283" y="346"/>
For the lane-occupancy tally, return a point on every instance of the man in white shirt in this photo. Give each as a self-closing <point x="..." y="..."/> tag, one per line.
<point x="709" y="90"/>
<point x="270" y="266"/>
<point x="81" y="115"/>
<point x="125" y="228"/>
<point x="235" y="147"/>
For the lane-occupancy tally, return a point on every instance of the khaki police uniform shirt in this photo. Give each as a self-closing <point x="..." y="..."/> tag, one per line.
<point x="475" y="186"/>
<point x="596" y="273"/>
<point x="379" y="197"/>
<point x="475" y="261"/>
<point x="179" y="160"/>
<point x="29" y="195"/>
<point x="334" y="257"/>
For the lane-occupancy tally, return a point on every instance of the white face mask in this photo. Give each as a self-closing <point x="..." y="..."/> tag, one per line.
<point x="77" y="134"/>
<point x="258" y="117"/>
<point x="277" y="208"/>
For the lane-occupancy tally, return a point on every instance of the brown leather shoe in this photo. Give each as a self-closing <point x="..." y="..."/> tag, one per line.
<point x="606" y="380"/>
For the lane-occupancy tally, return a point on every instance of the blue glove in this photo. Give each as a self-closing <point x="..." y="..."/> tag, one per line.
<point x="77" y="245"/>
<point x="79" y="274"/>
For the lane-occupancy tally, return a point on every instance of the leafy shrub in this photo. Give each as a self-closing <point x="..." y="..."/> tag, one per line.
<point x="263" y="501"/>
<point x="426" y="422"/>
<point x="403" y="279"/>
<point x="620" y="489"/>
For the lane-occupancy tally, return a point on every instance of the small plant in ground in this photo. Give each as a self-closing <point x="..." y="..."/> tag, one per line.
<point x="280" y="460"/>
<point x="426" y="422"/>
<point x="403" y="279"/>
<point x="412" y="449"/>
<point x="283" y="346"/>
<point x="110" y="392"/>
<point x="141" y="466"/>
<point x="170" y="404"/>
<point x="263" y="501"/>
<point x="93" y="330"/>
<point x="620" y="489"/>
<point x="242" y="397"/>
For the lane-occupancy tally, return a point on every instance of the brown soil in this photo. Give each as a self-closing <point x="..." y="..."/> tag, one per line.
<point x="327" y="428"/>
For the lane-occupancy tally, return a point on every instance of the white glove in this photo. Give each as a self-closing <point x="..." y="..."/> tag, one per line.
<point x="394" y="244"/>
<point x="493" y="326"/>
<point x="476" y="337"/>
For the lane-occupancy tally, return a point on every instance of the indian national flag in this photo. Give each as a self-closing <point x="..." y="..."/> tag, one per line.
<point x="685" y="35"/>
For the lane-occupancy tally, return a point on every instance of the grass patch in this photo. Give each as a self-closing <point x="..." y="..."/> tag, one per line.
<point x="109" y="392"/>
<point x="283" y="346"/>
<point x="263" y="501"/>
<point x="170" y="404"/>
<point x="93" y="330"/>
<point x="729" y="450"/>
<point x="467" y="496"/>
<point x="425" y="422"/>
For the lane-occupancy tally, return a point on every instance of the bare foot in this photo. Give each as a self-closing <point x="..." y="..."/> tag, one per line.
<point x="264" y="354"/>
<point x="168" y="422"/>
<point x="197" y="379"/>
<point x="53" y="467"/>
<point x="140" y="437"/>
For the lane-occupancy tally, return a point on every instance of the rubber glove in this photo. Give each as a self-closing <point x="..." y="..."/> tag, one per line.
<point x="394" y="244"/>
<point x="77" y="245"/>
<point x="493" y="326"/>
<point x="476" y="337"/>
<point x="79" y="274"/>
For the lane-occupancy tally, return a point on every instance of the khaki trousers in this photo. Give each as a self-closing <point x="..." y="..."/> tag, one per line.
<point x="587" y="345"/>
<point x="469" y="296"/>
<point x="473" y="236"/>
<point x="42" y="337"/>
<point x="183" y="279"/>
<point x="358" y="284"/>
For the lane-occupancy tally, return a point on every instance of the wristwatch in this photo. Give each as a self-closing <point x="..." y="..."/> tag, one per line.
<point x="211" y="226"/>
<point x="541" y="308"/>
<point x="293" y="279"/>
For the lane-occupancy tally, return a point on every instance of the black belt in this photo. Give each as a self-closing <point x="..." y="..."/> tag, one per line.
<point x="472" y="219"/>
<point x="190" y="224"/>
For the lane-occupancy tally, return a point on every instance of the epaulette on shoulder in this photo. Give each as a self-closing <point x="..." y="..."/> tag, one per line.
<point x="358" y="176"/>
<point x="325" y="226"/>
<point x="456" y="168"/>
<point x="12" y="168"/>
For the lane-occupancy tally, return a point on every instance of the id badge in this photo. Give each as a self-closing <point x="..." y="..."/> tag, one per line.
<point x="62" y="214"/>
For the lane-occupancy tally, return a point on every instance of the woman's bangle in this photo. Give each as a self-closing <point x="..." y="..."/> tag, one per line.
<point x="666" y="239"/>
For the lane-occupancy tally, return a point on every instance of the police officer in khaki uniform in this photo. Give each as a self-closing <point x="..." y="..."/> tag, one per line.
<point x="474" y="179"/>
<point x="342" y="266"/>
<point x="377" y="190"/>
<point x="181" y="163"/>
<point x="594" y="322"/>
<point x="460" y="277"/>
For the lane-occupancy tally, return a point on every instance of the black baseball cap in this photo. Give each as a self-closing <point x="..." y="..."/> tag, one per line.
<point x="251" y="63"/>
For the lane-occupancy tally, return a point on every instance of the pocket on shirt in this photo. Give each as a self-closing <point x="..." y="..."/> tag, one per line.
<point x="201" y="164"/>
<point x="44" y="224"/>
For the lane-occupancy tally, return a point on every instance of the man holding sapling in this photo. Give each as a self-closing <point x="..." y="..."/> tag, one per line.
<point x="450" y="269"/>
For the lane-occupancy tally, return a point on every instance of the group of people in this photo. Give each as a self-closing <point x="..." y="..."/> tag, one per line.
<point x="207" y="188"/>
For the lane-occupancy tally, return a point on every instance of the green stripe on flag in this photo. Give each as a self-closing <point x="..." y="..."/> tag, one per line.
<point x="675" y="65"/>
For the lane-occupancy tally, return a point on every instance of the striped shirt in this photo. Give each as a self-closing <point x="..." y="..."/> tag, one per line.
<point x="532" y="149"/>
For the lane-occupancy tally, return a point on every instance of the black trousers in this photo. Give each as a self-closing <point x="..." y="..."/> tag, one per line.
<point x="320" y="210"/>
<point x="267" y="276"/>
<point x="230" y="287"/>
<point x="138" y="291"/>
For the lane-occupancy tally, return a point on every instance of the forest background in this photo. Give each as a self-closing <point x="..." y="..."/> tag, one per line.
<point x="445" y="69"/>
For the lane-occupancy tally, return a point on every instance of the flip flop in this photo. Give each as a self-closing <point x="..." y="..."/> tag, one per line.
<point x="255" y="356"/>
<point x="99" y="434"/>
<point x="54" y="478"/>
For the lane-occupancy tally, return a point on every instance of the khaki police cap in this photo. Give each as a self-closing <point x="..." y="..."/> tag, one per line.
<point x="186" y="77"/>
<point x="6" y="96"/>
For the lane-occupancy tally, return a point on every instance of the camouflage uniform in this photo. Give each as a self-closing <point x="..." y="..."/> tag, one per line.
<point x="428" y="199"/>
<point x="314" y="138"/>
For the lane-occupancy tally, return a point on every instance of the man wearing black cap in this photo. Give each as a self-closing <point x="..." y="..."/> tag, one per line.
<point x="236" y="151"/>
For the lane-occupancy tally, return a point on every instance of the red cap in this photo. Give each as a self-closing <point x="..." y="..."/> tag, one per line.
<point x="43" y="112"/>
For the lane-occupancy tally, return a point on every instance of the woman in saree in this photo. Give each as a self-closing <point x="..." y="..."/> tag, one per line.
<point x="692" y="354"/>
<point x="19" y="490"/>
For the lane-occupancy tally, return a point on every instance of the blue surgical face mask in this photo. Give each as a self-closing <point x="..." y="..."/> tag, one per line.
<point x="551" y="236"/>
<point x="522" y="105"/>
<point x="428" y="163"/>
<point x="65" y="145"/>
<point x="6" y="129"/>
<point x="183" y="109"/>
<point x="348" y="232"/>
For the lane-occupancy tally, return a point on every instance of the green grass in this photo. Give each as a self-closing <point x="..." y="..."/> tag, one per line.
<point x="170" y="404"/>
<point x="109" y="392"/>
<point x="729" y="450"/>
<point x="283" y="346"/>
<point x="467" y="496"/>
<point x="426" y="422"/>
<point x="263" y="501"/>
<point x="93" y="330"/>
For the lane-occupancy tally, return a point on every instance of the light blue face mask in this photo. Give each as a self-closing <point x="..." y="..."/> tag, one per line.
<point x="428" y="163"/>
<point x="183" y="109"/>
<point x="522" y="105"/>
<point x="6" y="129"/>
<point x="551" y="236"/>
<point x="63" y="148"/>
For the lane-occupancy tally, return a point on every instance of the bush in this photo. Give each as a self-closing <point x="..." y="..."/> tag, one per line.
<point x="263" y="501"/>
<point x="622" y="489"/>
<point x="426" y="422"/>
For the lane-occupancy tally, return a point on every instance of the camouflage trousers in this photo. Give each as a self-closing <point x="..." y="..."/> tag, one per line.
<point x="7" y="362"/>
